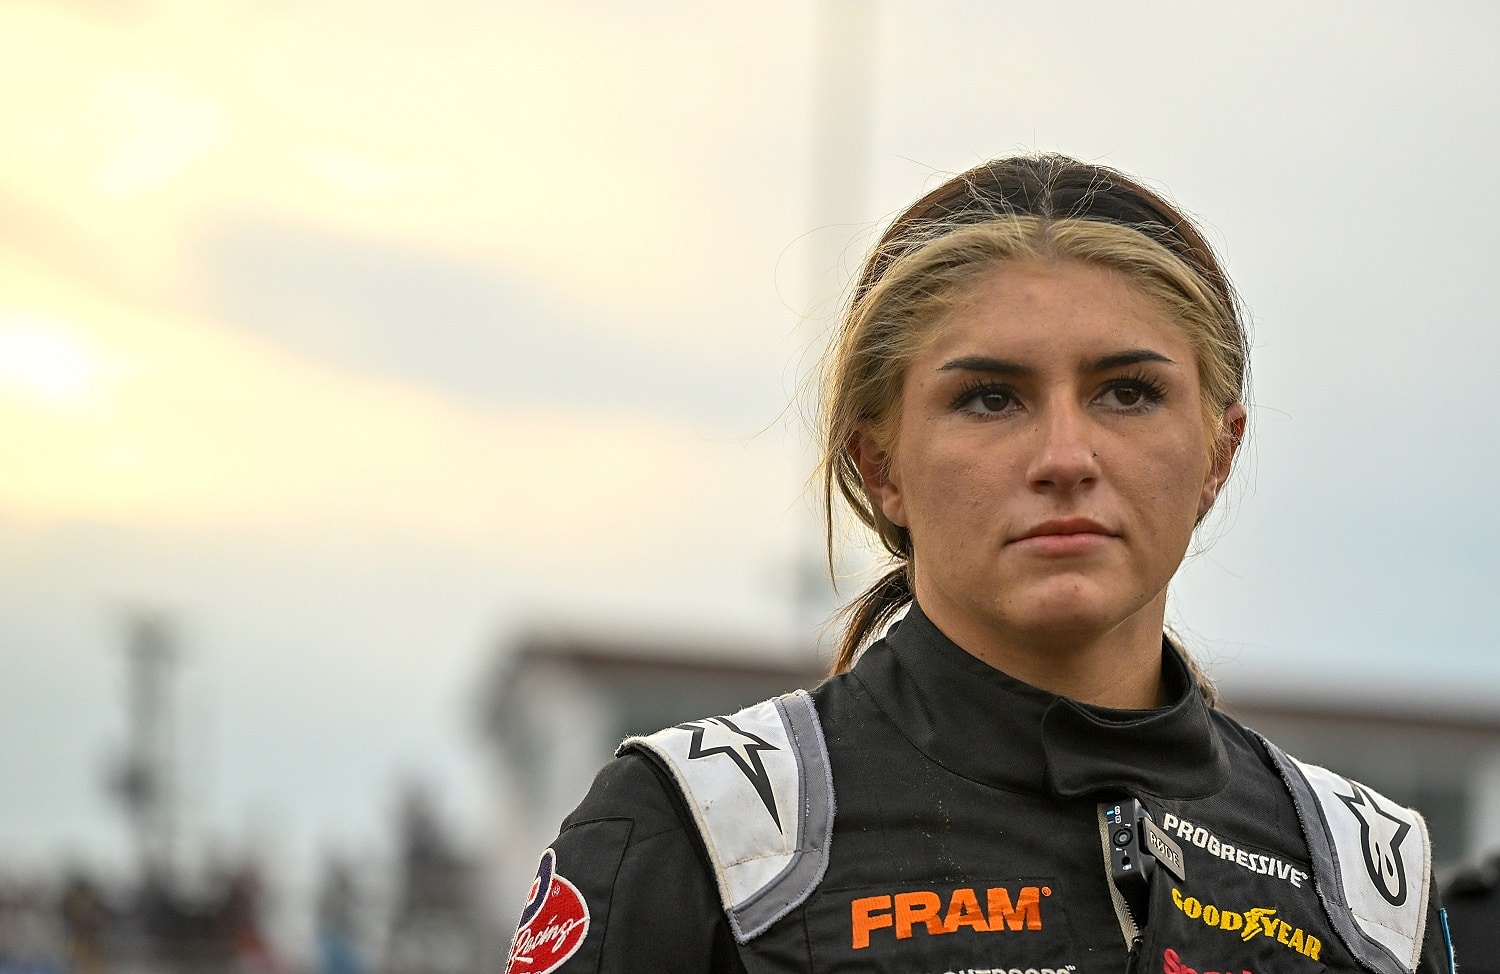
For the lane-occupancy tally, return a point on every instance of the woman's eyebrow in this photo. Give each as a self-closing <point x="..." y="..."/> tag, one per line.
<point x="1131" y="356"/>
<point x="1000" y="366"/>
<point x="981" y="363"/>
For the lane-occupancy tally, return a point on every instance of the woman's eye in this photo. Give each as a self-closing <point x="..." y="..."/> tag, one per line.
<point x="990" y="401"/>
<point x="1130" y="394"/>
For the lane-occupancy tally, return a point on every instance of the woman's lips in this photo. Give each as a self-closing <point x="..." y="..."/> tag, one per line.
<point x="1065" y="536"/>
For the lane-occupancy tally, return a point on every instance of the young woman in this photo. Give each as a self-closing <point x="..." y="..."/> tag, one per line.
<point x="1035" y="397"/>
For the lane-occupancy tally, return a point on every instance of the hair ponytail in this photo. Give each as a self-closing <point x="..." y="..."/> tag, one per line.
<point x="1206" y="686"/>
<point x="864" y="616"/>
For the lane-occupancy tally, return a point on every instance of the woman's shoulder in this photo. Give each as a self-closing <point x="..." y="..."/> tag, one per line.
<point x="652" y="777"/>
<point x="626" y="863"/>
<point x="1244" y="743"/>
<point x="631" y="787"/>
<point x="1372" y="855"/>
<point x="759" y="789"/>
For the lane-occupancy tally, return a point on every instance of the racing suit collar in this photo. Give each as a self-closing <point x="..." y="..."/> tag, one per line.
<point x="983" y="724"/>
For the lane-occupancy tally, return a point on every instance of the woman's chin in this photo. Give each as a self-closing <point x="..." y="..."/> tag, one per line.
<point x="1077" y="613"/>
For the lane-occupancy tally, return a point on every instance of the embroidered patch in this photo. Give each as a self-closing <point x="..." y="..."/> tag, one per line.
<point x="1171" y="963"/>
<point x="1248" y="859"/>
<point x="553" y="923"/>
<point x="1257" y="921"/>
<point x="970" y="909"/>
<point x="1381" y="835"/>
<point x="742" y="747"/>
<point x="760" y="790"/>
<point x="1373" y="860"/>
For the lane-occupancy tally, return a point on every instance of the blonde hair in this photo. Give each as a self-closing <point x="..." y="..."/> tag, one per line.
<point x="1024" y="208"/>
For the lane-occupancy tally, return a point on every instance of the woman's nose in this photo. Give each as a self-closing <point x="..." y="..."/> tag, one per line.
<point x="1065" y="457"/>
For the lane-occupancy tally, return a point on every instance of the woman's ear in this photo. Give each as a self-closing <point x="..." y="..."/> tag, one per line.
<point x="1231" y="434"/>
<point x="879" y="473"/>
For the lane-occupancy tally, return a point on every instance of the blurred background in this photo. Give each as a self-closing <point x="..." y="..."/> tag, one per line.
<point x="399" y="403"/>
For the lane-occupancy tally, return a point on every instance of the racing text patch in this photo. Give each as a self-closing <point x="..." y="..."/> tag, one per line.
<point x="553" y="924"/>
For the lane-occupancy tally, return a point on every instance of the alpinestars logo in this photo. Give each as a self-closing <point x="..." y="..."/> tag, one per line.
<point x="1380" y="835"/>
<point x="720" y="735"/>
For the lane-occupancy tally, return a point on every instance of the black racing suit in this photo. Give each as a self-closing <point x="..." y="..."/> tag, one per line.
<point x="967" y="838"/>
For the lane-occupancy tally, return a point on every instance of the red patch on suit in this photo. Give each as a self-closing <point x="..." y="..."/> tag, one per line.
<point x="553" y="924"/>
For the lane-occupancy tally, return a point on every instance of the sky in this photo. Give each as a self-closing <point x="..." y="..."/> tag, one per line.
<point x="355" y="339"/>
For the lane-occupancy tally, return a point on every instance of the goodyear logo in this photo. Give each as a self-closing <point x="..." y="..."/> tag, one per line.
<point x="1260" y="921"/>
<point x="902" y="913"/>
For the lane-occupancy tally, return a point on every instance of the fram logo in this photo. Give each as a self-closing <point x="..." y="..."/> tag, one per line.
<point x="903" y="913"/>
<point x="553" y="923"/>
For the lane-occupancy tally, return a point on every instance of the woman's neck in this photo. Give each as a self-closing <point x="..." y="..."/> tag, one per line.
<point x="1118" y="667"/>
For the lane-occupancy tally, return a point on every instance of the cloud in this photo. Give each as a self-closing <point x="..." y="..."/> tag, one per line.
<point x="201" y="424"/>
<point x="463" y="329"/>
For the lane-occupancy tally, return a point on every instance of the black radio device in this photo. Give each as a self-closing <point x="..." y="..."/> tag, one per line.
<point x="1137" y="845"/>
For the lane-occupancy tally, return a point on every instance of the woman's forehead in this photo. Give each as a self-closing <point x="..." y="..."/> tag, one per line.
<point x="1055" y="308"/>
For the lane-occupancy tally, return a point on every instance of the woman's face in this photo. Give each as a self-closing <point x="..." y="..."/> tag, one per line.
<point x="1050" y="461"/>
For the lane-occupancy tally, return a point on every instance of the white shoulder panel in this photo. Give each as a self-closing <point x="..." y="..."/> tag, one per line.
<point x="761" y="793"/>
<point x="1372" y="863"/>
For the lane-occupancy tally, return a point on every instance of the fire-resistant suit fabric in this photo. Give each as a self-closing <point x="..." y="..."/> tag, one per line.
<point x="966" y="839"/>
